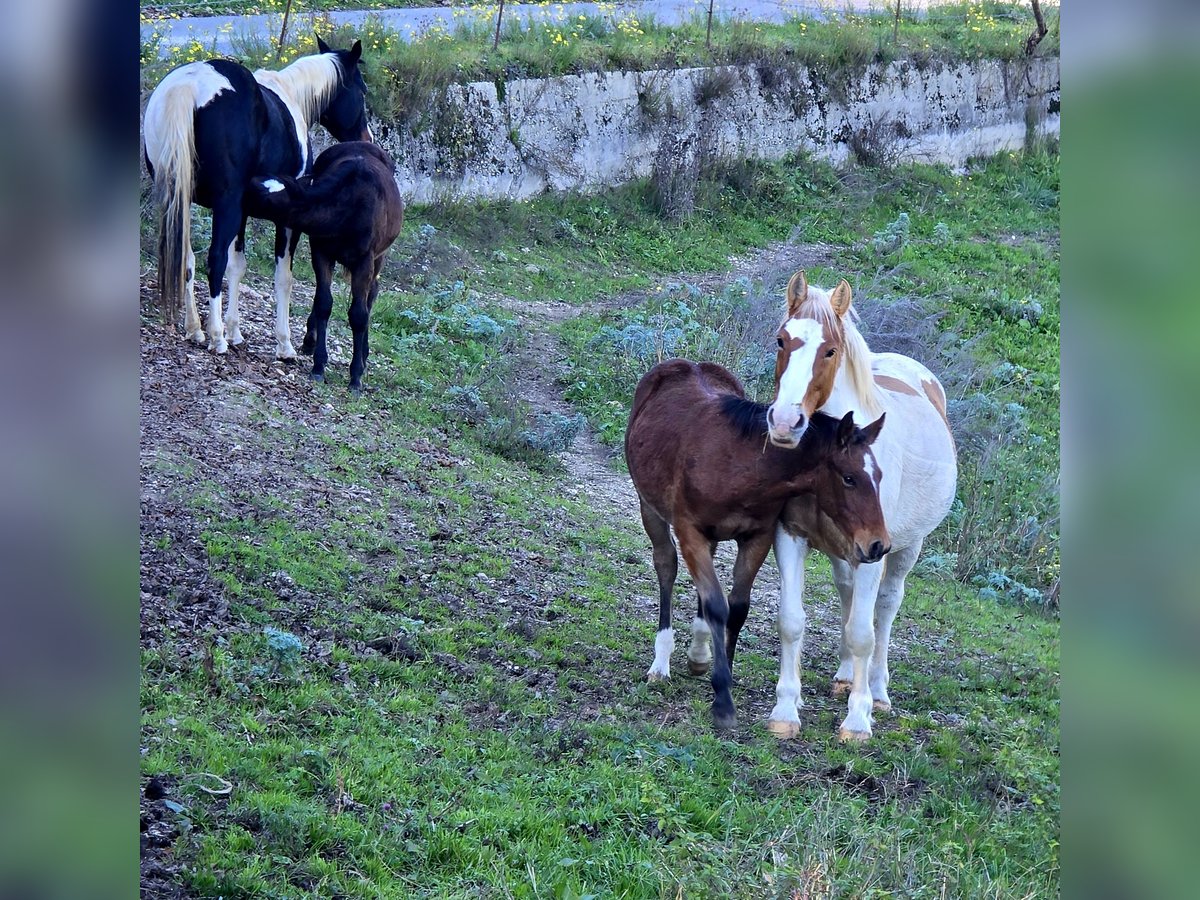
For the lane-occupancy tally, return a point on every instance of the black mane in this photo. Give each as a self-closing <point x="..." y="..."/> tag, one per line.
<point x="746" y="416"/>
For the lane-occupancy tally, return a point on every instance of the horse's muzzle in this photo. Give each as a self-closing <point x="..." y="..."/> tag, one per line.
<point x="872" y="554"/>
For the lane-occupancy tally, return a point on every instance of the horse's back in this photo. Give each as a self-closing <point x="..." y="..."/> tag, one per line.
<point x="355" y="196"/>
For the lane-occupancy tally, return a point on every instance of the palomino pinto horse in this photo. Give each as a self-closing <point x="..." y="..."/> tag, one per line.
<point x="352" y="212"/>
<point x="699" y="459"/>
<point x="209" y="128"/>
<point x="824" y="364"/>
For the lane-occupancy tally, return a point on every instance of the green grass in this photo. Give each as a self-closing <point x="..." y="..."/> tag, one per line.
<point x="468" y="716"/>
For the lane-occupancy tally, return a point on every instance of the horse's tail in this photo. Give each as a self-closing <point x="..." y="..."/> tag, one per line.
<point x="171" y="153"/>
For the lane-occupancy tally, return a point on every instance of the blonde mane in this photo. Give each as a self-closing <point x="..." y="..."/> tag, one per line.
<point x="856" y="355"/>
<point x="309" y="82"/>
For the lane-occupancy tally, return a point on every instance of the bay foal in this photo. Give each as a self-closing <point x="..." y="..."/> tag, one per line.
<point x="700" y="462"/>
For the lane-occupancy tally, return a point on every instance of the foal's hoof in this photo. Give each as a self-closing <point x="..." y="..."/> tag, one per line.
<point x="724" y="721"/>
<point x="785" y="731"/>
<point x="846" y="736"/>
<point x="316" y="376"/>
<point x="881" y="706"/>
<point x="698" y="668"/>
<point x="840" y="688"/>
<point x="356" y="389"/>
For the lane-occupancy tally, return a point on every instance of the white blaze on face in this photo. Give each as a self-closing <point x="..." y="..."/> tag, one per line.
<point x="872" y="469"/>
<point x="794" y="382"/>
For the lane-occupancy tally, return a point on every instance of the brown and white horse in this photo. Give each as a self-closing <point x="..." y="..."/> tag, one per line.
<point x="701" y="464"/>
<point x="823" y="364"/>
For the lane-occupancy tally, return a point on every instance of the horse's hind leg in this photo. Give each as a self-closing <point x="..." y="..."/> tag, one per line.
<point x="191" y="316"/>
<point x="699" y="655"/>
<point x="790" y="553"/>
<point x="666" y="567"/>
<point x="234" y="272"/>
<point x="696" y="554"/>
<point x="362" y="282"/>
<point x="226" y="220"/>
<point x="898" y="564"/>
<point x="751" y="555"/>
<point x="286" y="240"/>
<point x="318" y="319"/>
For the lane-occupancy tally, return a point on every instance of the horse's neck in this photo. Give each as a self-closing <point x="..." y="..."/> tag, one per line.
<point x="844" y="398"/>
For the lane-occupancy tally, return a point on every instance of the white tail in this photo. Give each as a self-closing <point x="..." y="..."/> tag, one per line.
<point x="170" y="151"/>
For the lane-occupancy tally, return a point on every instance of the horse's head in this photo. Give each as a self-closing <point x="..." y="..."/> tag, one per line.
<point x="345" y="115"/>
<point x="811" y="345"/>
<point x="847" y="512"/>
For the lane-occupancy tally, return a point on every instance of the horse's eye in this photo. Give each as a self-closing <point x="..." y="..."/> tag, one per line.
<point x="848" y="480"/>
<point x="832" y="350"/>
<point x="779" y="341"/>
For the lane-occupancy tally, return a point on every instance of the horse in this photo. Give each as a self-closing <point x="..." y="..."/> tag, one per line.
<point x="823" y="364"/>
<point x="351" y="210"/>
<point x="700" y="462"/>
<point x="209" y="127"/>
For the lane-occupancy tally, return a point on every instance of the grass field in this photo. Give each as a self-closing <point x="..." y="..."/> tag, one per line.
<point x="413" y="645"/>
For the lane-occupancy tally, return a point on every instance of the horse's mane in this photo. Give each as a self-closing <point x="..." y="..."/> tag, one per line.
<point x="748" y="418"/>
<point x="856" y="359"/>
<point x="309" y="82"/>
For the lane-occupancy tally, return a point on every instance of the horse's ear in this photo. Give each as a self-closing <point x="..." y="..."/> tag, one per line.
<point x="797" y="293"/>
<point x="356" y="52"/>
<point x="840" y="298"/>
<point x="846" y="430"/>
<point x="322" y="47"/>
<point x="871" y="432"/>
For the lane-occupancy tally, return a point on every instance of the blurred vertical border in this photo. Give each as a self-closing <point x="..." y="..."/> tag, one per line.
<point x="68" y="449"/>
<point x="1131" y="466"/>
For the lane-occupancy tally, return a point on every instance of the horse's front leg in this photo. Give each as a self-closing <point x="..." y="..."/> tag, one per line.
<point x="859" y="636"/>
<point x="697" y="555"/>
<point x="790" y="553"/>
<point x="891" y="595"/>
<point x="286" y="240"/>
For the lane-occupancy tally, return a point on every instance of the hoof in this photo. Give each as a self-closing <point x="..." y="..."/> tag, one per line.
<point x="881" y="706"/>
<point x="316" y="376"/>
<point x="840" y="688"/>
<point x="846" y="736"/>
<point x="236" y="338"/>
<point x="285" y="353"/>
<point x="724" y="721"/>
<point x="307" y="348"/>
<point x="785" y="731"/>
<point x="356" y="389"/>
<point x="656" y="677"/>
<point x="198" y="337"/>
<point x="220" y="348"/>
<point x="698" y="668"/>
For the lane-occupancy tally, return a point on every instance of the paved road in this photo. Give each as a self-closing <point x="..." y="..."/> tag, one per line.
<point x="226" y="31"/>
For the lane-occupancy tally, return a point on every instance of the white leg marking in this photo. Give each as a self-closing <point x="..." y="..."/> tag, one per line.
<point x="700" y="650"/>
<point x="193" y="327"/>
<point x="273" y="186"/>
<point x="283" y="301"/>
<point x="859" y="635"/>
<point x="790" y="554"/>
<point x="664" y="643"/>
<point x="235" y="269"/>
<point x="216" y="328"/>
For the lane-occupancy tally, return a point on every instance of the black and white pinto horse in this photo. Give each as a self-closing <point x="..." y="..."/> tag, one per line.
<point x="210" y="127"/>
<point x="351" y="210"/>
